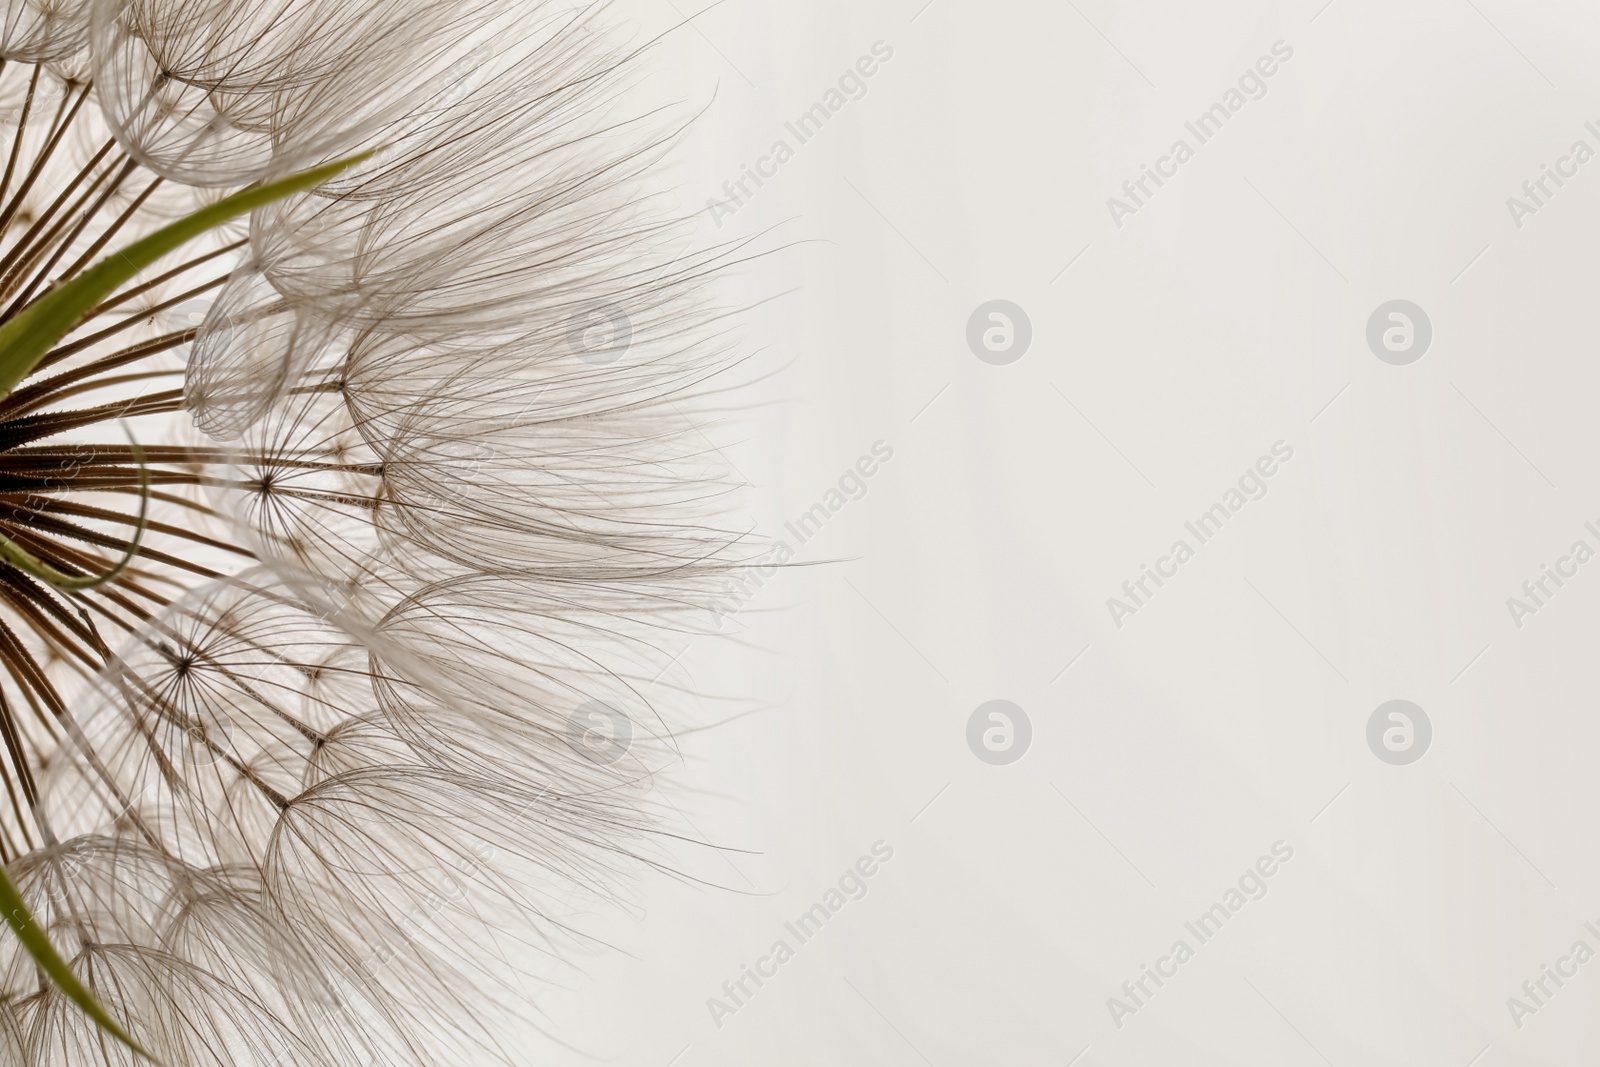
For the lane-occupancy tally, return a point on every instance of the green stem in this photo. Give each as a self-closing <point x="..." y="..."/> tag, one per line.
<point x="50" y="962"/>
<point x="28" y="337"/>
<point x="28" y="563"/>
<point x="24" y="341"/>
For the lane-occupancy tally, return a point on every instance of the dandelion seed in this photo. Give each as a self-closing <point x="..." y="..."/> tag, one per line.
<point x="420" y="498"/>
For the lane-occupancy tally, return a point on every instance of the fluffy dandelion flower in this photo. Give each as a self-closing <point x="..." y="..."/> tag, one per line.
<point x="377" y="688"/>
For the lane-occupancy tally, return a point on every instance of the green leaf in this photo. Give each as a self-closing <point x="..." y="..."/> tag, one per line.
<point x="26" y="339"/>
<point x="44" y="954"/>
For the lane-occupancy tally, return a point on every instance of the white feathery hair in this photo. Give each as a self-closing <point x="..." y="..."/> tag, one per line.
<point x="426" y="496"/>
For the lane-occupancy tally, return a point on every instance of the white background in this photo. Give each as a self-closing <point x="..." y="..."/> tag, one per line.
<point x="1230" y="713"/>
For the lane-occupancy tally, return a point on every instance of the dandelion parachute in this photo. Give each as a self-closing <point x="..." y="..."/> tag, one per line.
<point x="418" y="492"/>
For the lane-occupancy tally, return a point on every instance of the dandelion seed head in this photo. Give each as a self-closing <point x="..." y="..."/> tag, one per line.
<point x="428" y="514"/>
